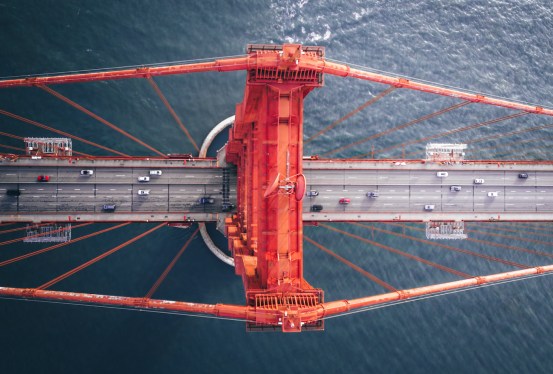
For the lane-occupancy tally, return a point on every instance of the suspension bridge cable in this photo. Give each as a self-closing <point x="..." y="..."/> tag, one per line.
<point x="497" y="227"/>
<point x="37" y="124"/>
<point x="444" y="293"/>
<point x="445" y="246"/>
<point x="170" y="266"/>
<point x="22" y="138"/>
<point x="133" y="309"/>
<point x="43" y="234"/>
<point x="509" y="237"/>
<point x="98" y="118"/>
<point x="371" y="276"/>
<point x="22" y="228"/>
<point x="438" y="84"/>
<point x="96" y="259"/>
<point x="23" y="257"/>
<point x="510" y="247"/>
<point x="507" y="134"/>
<point x="350" y="114"/>
<point x="172" y="112"/>
<point x="12" y="147"/>
<point x="450" y="132"/>
<point x="401" y="253"/>
<point x="156" y="64"/>
<point x="400" y="127"/>
<point x="534" y="226"/>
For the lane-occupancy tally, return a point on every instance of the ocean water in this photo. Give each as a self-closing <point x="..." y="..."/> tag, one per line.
<point x="495" y="47"/>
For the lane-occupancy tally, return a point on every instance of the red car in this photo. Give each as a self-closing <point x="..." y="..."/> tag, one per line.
<point x="43" y="178"/>
<point x="345" y="201"/>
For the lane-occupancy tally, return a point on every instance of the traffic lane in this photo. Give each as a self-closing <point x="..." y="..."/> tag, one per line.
<point x="485" y="203"/>
<point x="32" y="176"/>
<point x="520" y="198"/>
<point x="543" y="178"/>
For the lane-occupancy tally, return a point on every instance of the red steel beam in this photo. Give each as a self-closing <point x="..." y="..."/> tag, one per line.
<point x="343" y="70"/>
<point x="278" y="315"/>
<point x="223" y="65"/>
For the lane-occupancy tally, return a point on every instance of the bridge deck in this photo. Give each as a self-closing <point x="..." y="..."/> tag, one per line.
<point x="403" y="190"/>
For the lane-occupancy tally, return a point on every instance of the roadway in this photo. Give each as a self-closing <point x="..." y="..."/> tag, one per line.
<point x="403" y="191"/>
<point x="176" y="190"/>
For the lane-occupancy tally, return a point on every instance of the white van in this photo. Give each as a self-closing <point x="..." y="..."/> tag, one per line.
<point x="155" y="172"/>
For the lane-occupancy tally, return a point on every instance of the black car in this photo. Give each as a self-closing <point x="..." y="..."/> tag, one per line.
<point x="227" y="207"/>
<point x="13" y="192"/>
<point x="316" y="208"/>
<point x="523" y="175"/>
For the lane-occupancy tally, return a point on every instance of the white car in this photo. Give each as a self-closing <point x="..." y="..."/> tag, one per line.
<point x="493" y="194"/>
<point x="479" y="181"/>
<point x="87" y="172"/>
<point x="155" y="172"/>
<point x="143" y="179"/>
<point x="441" y="174"/>
<point x="429" y="207"/>
<point x="143" y="192"/>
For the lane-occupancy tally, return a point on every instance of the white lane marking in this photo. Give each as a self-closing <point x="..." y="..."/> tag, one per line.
<point x="113" y="189"/>
<point x="328" y="190"/>
<point x="40" y="189"/>
<point x="10" y="174"/>
<point x="119" y="175"/>
<point x="59" y="189"/>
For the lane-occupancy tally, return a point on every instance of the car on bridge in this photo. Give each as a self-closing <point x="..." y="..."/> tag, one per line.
<point x="429" y="207"/>
<point x="479" y="181"/>
<point x="87" y="172"/>
<point x="442" y="174"/>
<point x="155" y="172"/>
<point x="493" y="194"/>
<point x="344" y="201"/>
<point x="455" y="188"/>
<point x="43" y="178"/>
<point x="206" y="200"/>
<point x="143" y="179"/>
<point x="312" y="193"/>
<point x="143" y="192"/>
<point x="316" y="208"/>
<point x="523" y="175"/>
<point x="108" y="207"/>
<point x="372" y="194"/>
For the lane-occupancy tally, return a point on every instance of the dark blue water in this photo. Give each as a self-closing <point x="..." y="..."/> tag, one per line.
<point x="498" y="47"/>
